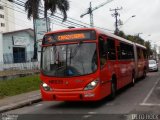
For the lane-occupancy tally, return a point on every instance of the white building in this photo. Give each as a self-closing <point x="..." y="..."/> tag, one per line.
<point x="18" y="46"/>
<point x="7" y="17"/>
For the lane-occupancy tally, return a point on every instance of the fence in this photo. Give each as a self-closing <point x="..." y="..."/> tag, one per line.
<point x="9" y="58"/>
<point x="20" y="66"/>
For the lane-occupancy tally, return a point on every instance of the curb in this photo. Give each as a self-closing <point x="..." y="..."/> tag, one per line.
<point x="20" y="104"/>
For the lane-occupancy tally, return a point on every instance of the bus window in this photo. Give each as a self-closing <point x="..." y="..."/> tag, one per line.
<point x="69" y="60"/>
<point x="119" y="52"/>
<point x="126" y="51"/>
<point x="139" y="53"/>
<point x="102" y="51"/>
<point x="111" y="49"/>
<point x="130" y="52"/>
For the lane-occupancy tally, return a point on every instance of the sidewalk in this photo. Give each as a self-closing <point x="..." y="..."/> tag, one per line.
<point x="13" y="102"/>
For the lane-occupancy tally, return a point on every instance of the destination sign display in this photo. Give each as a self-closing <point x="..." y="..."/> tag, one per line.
<point x="69" y="36"/>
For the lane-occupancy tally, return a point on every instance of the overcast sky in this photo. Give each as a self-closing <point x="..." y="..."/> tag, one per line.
<point x="146" y="21"/>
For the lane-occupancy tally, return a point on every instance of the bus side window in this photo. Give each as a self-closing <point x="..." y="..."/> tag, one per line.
<point x="126" y="51"/>
<point x="139" y="52"/>
<point x="119" y="52"/>
<point x="111" y="49"/>
<point x="102" y="51"/>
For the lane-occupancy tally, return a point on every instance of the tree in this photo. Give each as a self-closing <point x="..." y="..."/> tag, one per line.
<point x="139" y="40"/>
<point x="32" y="8"/>
<point x="53" y="5"/>
<point x="121" y="34"/>
<point x="148" y="46"/>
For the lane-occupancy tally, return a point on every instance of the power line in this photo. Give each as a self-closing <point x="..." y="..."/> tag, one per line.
<point x="68" y="21"/>
<point x="61" y="15"/>
<point x="60" y="18"/>
<point x="90" y="11"/>
<point x="26" y="14"/>
<point x="55" y="17"/>
<point x="11" y="15"/>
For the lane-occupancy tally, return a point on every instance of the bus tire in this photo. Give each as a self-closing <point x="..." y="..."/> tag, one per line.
<point x="113" y="90"/>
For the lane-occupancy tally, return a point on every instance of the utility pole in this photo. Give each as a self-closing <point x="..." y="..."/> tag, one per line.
<point x="91" y="15"/>
<point x="90" y="11"/>
<point x="117" y="22"/>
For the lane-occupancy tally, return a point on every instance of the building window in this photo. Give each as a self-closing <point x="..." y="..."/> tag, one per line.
<point x="1" y="7"/>
<point x="1" y="16"/>
<point x="2" y="25"/>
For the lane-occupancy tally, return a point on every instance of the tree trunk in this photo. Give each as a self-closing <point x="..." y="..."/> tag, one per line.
<point x="45" y="16"/>
<point x="35" y="42"/>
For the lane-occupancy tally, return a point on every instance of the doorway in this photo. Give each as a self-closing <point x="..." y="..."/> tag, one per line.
<point x="19" y="55"/>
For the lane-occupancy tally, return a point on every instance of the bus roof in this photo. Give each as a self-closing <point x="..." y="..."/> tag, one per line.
<point x="139" y="45"/>
<point x="99" y="32"/>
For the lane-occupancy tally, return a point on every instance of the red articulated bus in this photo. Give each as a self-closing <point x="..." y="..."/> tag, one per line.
<point x="85" y="64"/>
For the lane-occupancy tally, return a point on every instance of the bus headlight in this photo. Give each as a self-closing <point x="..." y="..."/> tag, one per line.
<point x="92" y="85"/>
<point x="46" y="87"/>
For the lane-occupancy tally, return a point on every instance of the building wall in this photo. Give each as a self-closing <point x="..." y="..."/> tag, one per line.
<point x="1" y="48"/>
<point x="7" y="17"/>
<point x="2" y="19"/>
<point x="9" y="44"/>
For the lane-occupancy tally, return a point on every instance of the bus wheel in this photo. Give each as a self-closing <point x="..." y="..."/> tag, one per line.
<point x="113" y="91"/>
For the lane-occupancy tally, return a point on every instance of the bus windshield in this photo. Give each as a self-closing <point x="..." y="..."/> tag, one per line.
<point x="69" y="59"/>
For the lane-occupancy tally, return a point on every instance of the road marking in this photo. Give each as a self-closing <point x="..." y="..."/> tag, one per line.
<point x="149" y="104"/>
<point x="38" y="105"/>
<point x="92" y="112"/>
<point x="150" y="92"/>
<point x="87" y="116"/>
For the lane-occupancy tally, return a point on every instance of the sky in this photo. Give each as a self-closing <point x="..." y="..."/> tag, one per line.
<point x="146" y="20"/>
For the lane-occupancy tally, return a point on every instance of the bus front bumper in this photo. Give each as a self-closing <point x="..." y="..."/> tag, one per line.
<point x="90" y="95"/>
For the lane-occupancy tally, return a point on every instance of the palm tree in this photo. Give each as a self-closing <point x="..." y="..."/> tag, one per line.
<point x="53" y="5"/>
<point x="32" y="8"/>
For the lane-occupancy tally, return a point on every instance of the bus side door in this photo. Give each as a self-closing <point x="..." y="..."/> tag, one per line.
<point x="104" y="74"/>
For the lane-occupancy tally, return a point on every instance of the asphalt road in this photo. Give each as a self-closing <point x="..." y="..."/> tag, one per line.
<point x="142" y="99"/>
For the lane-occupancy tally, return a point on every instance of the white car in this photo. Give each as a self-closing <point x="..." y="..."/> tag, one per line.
<point x="153" y="65"/>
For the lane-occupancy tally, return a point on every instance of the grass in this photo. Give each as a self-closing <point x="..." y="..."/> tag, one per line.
<point x="19" y="85"/>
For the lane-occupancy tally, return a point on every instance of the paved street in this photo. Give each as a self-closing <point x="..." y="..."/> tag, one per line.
<point x="142" y="98"/>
